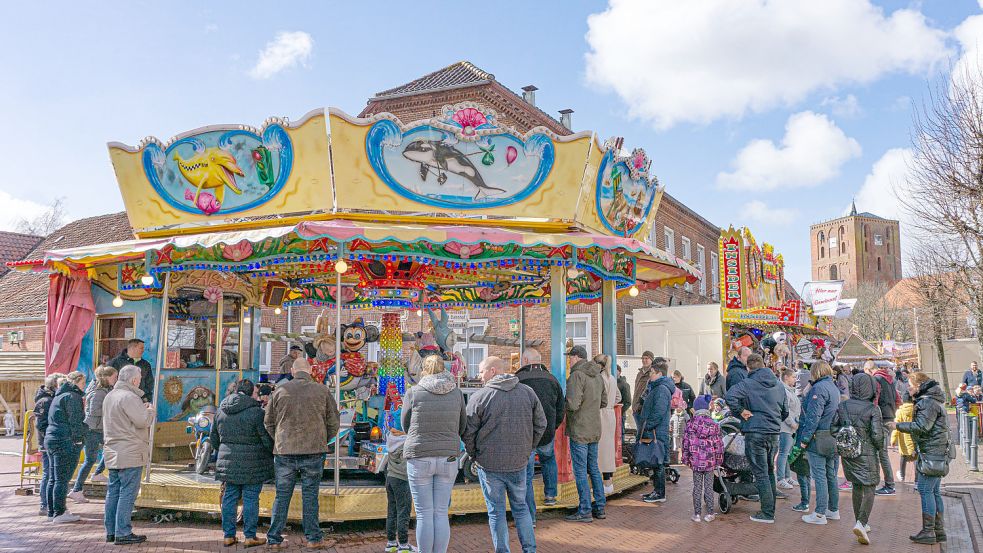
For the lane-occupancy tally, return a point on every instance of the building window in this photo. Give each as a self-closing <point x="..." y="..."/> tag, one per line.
<point x="822" y="245"/>
<point x="629" y="335"/>
<point x="822" y="252"/>
<point x="832" y="245"/>
<point x="265" y="351"/>
<point x="688" y="256"/>
<point x="714" y="272"/>
<point x="878" y="264"/>
<point x="670" y="241"/>
<point x="701" y="264"/>
<point x="842" y="240"/>
<point x="472" y="354"/>
<point x="578" y="330"/>
<point x="832" y="273"/>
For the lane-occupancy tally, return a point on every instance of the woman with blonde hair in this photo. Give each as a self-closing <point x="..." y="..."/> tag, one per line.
<point x="818" y="409"/>
<point x="434" y="421"/>
<point x="606" y="450"/>
<point x="106" y="377"/>
<point x="63" y="440"/>
<point x="713" y="382"/>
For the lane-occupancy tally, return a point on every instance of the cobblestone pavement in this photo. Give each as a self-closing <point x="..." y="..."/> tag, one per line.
<point x="631" y="526"/>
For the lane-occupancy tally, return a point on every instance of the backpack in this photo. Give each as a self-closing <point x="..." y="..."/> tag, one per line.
<point x="677" y="401"/>
<point x="848" y="442"/>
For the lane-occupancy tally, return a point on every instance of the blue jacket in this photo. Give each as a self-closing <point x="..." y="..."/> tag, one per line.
<point x="762" y="395"/>
<point x="66" y="417"/>
<point x="656" y="408"/>
<point x="818" y="408"/>
<point x="971" y="379"/>
<point x="736" y="372"/>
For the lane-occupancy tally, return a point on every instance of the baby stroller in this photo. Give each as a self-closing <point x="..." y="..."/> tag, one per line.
<point x="628" y="456"/>
<point x="733" y="479"/>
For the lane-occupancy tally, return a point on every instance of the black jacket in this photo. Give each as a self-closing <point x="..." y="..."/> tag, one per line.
<point x="929" y="427"/>
<point x="762" y="395"/>
<point x="688" y="394"/>
<point x="146" y="372"/>
<point x="887" y="399"/>
<point x="736" y="372"/>
<point x="66" y="417"/>
<point x="860" y="412"/>
<point x="625" y="390"/>
<point x="42" y="403"/>
<point x="548" y="390"/>
<point x="245" y="448"/>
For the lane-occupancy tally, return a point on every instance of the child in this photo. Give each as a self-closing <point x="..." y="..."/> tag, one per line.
<point x="906" y="446"/>
<point x="677" y="425"/>
<point x="398" y="496"/>
<point x="703" y="451"/>
<point x="719" y="410"/>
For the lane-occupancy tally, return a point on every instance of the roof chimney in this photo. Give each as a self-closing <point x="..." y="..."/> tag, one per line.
<point x="566" y="118"/>
<point x="529" y="94"/>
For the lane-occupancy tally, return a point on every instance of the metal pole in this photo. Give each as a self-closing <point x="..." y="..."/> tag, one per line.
<point x="161" y="356"/>
<point x="339" y="302"/>
<point x="973" y="465"/>
<point x="522" y="333"/>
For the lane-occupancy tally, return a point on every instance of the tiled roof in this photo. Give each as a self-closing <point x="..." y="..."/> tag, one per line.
<point x="25" y="295"/>
<point x="460" y="74"/>
<point x="14" y="246"/>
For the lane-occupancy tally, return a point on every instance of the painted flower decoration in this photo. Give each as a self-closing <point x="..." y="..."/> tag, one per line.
<point x="607" y="261"/>
<point x="464" y="251"/>
<point x="469" y="119"/>
<point x="348" y="295"/>
<point x="638" y="160"/>
<point x="189" y="195"/>
<point x="212" y="294"/>
<point x="238" y="251"/>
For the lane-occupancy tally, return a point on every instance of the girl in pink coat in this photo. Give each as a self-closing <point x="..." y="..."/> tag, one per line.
<point x="703" y="451"/>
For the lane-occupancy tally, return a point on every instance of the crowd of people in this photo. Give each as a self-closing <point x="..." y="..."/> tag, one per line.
<point x="796" y="428"/>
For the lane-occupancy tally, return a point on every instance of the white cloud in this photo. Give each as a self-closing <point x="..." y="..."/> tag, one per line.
<point x="969" y="33"/>
<point x="13" y="210"/>
<point x="702" y="60"/>
<point x="885" y="184"/>
<point x="812" y="151"/>
<point x="759" y="212"/>
<point x="845" y="107"/>
<point x="286" y="50"/>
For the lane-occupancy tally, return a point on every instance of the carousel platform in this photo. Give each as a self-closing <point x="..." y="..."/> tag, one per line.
<point x="175" y="488"/>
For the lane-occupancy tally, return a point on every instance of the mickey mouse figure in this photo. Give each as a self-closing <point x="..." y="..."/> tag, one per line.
<point x="353" y="338"/>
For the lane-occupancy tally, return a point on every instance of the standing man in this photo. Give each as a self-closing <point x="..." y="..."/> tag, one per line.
<point x="585" y="397"/>
<point x="737" y="369"/>
<point x="133" y="355"/>
<point x="625" y="390"/>
<point x="802" y="378"/>
<point x="535" y="375"/>
<point x="641" y="381"/>
<point x="887" y="400"/>
<point x="287" y="363"/>
<point x="505" y="422"/>
<point x="760" y="400"/>
<point x="126" y="420"/>
<point x="301" y="417"/>
<point x="974" y="376"/>
<point x="655" y="422"/>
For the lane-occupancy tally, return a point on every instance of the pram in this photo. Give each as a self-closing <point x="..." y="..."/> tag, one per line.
<point x="733" y="479"/>
<point x="628" y="456"/>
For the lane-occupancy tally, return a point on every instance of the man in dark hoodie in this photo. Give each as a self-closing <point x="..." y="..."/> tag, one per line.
<point x="585" y="398"/>
<point x="737" y="368"/>
<point x="505" y="422"/>
<point x="535" y="375"/>
<point x="886" y="398"/>
<point x="133" y="355"/>
<point x="760" y="400"/>
<point x="654" y="417"/>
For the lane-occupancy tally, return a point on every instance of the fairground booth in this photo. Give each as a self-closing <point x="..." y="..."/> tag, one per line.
<point x="756" y="308"/>
<point x="456" y="212"/>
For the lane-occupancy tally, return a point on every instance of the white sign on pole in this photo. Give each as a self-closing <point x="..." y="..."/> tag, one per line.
<point x="823" y="296"/>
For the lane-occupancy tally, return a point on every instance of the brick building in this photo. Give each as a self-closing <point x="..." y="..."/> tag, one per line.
<point x="857" y="248"/>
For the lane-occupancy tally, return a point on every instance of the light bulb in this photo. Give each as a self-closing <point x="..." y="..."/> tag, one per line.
<point x="117" y="301"/>
<point x="340" y="266"/>
<point x="419" y="312"/>
<point x="246" y="320"/>
<point x="633" y="291"/>
<point x="147" y="280"/>
<point x="277" y="311"/>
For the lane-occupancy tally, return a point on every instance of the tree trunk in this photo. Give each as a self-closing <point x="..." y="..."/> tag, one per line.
<point x="940" y="351"/>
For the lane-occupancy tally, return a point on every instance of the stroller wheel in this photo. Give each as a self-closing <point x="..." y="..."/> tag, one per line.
<point x="672" y="475"/>
<point x="726" y="502"/>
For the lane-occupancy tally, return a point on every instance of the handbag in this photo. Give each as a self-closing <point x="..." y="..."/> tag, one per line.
<point x="798" y="461"/>
<point x="825" y="443"/>
<point x="649" y="453"/>
<point x="936" y="465"/>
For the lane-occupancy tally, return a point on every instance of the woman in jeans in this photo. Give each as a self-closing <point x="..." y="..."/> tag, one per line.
<point x="787" y="436"/>
<point x="818" y="408"/>
<point x="434" y="420"/>
<point x="929" y="429"/>
<point x="106" y="377"/>
<point x="63" y="441"/>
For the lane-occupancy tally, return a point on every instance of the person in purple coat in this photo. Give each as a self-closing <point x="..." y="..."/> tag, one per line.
<point x="703" y="451"/>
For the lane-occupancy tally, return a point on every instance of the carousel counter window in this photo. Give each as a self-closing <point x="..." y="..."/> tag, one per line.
<point x="235" y="350"/>
<point x="113" y="332"/>
<point x="192" y="323"/>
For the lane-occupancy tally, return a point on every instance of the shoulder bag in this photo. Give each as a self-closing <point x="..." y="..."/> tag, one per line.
<point x="650" y="453"/>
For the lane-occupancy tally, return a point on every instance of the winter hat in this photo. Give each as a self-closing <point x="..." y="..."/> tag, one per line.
<point x="702" y="402"/>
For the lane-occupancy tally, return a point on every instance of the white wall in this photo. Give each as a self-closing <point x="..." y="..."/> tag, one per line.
<point x="690" y="336"/>
<point x="958" y="355"/>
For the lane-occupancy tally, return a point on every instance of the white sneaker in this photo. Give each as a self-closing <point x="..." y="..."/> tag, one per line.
<point x="66" y="517"/>
<point x="832" y="515"/>
<point x="696" y="518"/>
<point x="77" y="497"/>
<point x="867" y="528"/>
<point x="608" y="489"/>
<point x="785" y="485"/>
<point x="861" y="532"/>
<point x="709" y="518"/>
<point x="814" y="518"/>
<point x="100" y="478"/>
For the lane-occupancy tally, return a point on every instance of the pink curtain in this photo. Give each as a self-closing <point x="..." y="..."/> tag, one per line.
<point x="71" y="312"/>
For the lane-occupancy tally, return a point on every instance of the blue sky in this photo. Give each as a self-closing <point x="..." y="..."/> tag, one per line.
<point x="694" y="83"/>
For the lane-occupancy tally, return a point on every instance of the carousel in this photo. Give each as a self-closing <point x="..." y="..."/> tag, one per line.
<point x="235" y="223"/>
